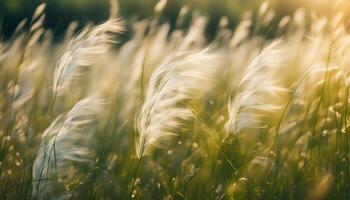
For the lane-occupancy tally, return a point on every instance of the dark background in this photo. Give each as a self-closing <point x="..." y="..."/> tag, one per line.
<point x="59" y="13"/>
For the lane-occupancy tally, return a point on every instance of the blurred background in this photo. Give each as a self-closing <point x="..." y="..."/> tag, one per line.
<point x="59" y="13"/>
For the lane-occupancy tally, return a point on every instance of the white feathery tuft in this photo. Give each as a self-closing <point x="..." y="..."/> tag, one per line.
<point x="83" y="50"/>
<point x="67" y="152"/>
<point x="255" y="89"/>
<point x="181" y="78"/>
<point x="38" y="17"/>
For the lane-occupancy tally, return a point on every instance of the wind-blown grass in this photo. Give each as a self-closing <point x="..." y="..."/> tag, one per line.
<point x="67" y="148"/>
<point x="177" y="116"/>
<point x="171" y="87"/>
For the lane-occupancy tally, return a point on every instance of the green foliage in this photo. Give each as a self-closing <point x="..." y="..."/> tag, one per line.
<point x="246" y="118"/>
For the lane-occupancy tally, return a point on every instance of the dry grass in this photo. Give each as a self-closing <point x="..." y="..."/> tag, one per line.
<point x="170" y="115"/>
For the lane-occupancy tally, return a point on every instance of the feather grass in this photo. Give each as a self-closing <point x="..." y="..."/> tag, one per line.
<point x="179" y="79"/>
<point x="83" y="50"/>
<point x="67" y="151"/>
<point x="251" y="94"/>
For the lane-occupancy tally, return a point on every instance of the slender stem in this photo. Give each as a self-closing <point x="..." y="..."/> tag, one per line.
<point x="53" y="103"/>
<point x="134" y="177"/>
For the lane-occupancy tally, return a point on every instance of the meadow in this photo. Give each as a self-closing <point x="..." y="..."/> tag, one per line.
<point x="171" y="114"/>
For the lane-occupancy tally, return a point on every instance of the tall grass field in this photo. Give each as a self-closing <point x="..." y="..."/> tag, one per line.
<point x="142" y="109"/>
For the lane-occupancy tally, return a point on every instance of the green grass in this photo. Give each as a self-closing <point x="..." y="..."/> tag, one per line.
<point x="298" y="147"/>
